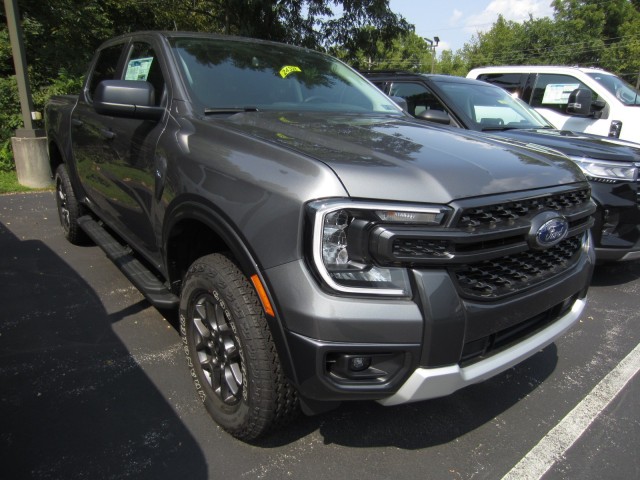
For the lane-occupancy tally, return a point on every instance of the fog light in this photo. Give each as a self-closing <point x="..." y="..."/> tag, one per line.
<point x="358" y="364"/>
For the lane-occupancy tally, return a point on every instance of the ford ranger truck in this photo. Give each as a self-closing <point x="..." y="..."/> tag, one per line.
<point x="320" y="244"/>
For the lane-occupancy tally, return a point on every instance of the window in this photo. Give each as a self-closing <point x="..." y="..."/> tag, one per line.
<point x="235" y="74"/>
<point x="511" y="82"/>
<point x="419" y="98"/>
<point x="143" y="65"/>
<point x="552" y="91"/>
<point x="106" y="66"/>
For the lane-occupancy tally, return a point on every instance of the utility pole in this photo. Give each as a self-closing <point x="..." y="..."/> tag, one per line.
<point x="30" y="144"/>
<point x="432" y="47"/>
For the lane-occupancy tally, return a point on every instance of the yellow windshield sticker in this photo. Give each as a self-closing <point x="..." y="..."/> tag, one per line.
<point x="288" y="70"/>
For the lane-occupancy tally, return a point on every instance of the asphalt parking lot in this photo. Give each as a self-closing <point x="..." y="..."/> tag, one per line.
<point x="93" y="385"/>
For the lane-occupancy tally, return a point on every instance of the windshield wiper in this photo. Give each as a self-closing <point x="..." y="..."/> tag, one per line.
<point x="208" y="111"/>
<point x="498" y="129"/>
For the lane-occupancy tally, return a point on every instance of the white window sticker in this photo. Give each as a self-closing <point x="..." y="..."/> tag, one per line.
<point x="558" y="93"/>
<point x="138" y="69"/>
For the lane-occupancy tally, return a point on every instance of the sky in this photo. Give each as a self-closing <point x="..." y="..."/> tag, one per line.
<point x="456" y="21"/>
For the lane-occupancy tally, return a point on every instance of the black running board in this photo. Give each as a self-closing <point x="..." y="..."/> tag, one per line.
<point x="144" y="280"/>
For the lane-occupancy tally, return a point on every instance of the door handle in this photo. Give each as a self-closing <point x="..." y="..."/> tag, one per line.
<point x="108" y="134"/>
<point x="76" y="123"/>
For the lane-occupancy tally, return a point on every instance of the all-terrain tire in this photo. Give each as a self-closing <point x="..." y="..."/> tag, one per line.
<point x="230" y="351"/>
<point x="69" y="209"/>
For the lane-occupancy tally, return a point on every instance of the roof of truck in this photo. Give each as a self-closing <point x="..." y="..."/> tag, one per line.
<point x="538" y="68"/>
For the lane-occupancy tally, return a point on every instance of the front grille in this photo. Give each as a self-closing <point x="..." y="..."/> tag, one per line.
<point x="505" y="275"/>
<point x="489" y="244"/>
<point x="492" y="215"/>
<point x="420" y="248"/>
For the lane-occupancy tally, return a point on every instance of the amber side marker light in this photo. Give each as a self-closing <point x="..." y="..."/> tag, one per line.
<point x="262" y="294"/>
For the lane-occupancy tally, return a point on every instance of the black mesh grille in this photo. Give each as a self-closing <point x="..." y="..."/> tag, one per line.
<point x="419" y="248"/>
<point x="506" y="275"/>
<point x="492" y="215"/>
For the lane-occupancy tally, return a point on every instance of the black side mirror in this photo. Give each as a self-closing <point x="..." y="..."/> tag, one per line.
<point x="435" y="116"/>
<point x="580" y="102"/>
<point x="126" y="98"/>
<point x="401" y="102"/>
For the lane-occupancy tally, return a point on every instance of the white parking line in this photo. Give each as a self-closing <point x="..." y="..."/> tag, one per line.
<point x="554" y="445"/>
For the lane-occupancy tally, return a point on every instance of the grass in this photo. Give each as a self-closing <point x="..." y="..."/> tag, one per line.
<point x="9" y="184"/>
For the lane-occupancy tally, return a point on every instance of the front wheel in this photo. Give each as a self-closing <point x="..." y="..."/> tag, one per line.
<point x="230" y="352"/>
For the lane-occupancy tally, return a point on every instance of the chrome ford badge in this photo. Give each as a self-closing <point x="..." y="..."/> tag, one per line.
<point x="547" y="229"/>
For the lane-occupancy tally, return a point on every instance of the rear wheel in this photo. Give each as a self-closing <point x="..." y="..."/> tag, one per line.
<point x="230" y="351"/>
<point x="69" y="209"/>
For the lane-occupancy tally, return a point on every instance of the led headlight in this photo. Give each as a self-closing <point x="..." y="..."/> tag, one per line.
<point x="347" y="268"/>
<point x="604" y="170"/>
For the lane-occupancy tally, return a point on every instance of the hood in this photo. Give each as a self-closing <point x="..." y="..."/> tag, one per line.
<point x="394" y="158"/>
<point x="578" y="144"/>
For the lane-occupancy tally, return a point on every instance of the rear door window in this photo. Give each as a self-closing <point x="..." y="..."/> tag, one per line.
<point x="552" y="91"/>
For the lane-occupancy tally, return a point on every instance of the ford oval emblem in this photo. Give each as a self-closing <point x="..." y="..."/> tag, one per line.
<point x="552" y="232"/>
<point x="548" y="229"/>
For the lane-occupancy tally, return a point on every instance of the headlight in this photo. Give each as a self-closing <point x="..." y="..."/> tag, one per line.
<point x="340" y="259"/>
<point x="601" y="169"/>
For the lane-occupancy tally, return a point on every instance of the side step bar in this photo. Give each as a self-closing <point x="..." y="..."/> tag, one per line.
<point x="143" y="279"/>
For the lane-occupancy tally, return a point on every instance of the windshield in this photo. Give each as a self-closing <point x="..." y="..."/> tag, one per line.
<point x="621" y="89"/>
<point x="228" y="74"/>
<point x="490" y="108"/>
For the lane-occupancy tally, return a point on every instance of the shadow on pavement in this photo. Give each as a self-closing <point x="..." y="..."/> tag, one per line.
<point x="74" y="403"/>
<point x="611" y="274"/>
<point x="423" y="424"/>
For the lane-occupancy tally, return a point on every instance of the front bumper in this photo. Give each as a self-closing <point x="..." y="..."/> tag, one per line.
<point x="424" y="347"/>
<point x="426" y="383"/>
<point x="616" y="231"/>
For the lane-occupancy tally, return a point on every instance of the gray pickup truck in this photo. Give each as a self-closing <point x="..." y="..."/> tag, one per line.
<point x="320" y="244"/>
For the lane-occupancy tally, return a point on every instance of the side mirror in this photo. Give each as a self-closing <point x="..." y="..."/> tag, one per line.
<point x="126" y="98"/>
<point x="435" y="116"/>
<point x="401" y="102"/>
<point x="580" y="102"/>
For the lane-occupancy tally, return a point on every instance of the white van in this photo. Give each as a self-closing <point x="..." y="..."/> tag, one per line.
<point x="571" y="98"/>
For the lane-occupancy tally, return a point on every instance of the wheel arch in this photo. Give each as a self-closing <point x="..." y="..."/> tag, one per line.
<point x="56" y="157"/>
<point x="194" y="228"/>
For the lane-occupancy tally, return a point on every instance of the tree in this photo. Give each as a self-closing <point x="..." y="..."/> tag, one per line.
<point x="451" y="63"/>
<point x="407" y="52"/>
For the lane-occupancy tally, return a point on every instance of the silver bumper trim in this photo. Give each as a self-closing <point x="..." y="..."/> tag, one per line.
<point x="426" y="383"/>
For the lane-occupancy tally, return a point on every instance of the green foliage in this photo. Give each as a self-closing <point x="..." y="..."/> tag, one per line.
<point x="451" y="63"/>
<point x="10" y="119"/>
<point x="407" y="52"/>
<point x="11" y="115"/>
<point x="9" y="183"/>
<point x="582" y="32"/>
